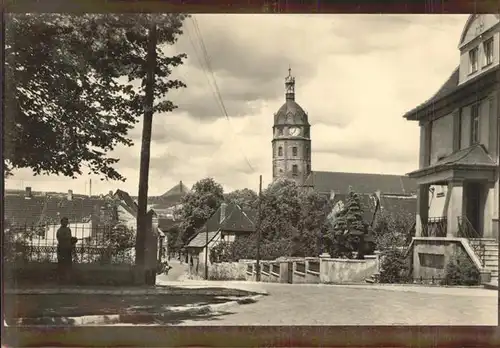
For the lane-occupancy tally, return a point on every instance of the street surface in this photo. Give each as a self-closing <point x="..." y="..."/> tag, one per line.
<point x="315" y="304"/>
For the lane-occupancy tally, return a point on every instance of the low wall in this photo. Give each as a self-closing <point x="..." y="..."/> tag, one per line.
<point x="220" y="271"/>
<point x="338" y="271"/>
<point x="430" y="255"/>
<point x="39" y="274"/>
<point x="312" y="270"/>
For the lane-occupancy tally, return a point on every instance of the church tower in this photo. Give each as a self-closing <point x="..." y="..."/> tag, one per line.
<point x="291" y="138"/>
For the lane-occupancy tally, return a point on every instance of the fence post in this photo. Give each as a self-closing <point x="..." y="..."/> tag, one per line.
<point x="322" y="268"/>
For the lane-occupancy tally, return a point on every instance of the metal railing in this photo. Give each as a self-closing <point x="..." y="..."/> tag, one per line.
<point x="435" y="227"/>
<point x="94" y="244"/>
<point x="466" y="230"/>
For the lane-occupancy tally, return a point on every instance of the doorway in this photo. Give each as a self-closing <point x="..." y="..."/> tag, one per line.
<point x="474" y="205"/>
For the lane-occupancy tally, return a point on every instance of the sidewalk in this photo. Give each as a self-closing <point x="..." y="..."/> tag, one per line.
<point x="422" y="289"/>
<point x="242" y="285"/>
<point x="163" y="287"/>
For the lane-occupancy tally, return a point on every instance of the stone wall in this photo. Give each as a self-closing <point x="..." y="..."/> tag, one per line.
<point x="339" y="271"/>
<point x="220" y="271"/>
<point x="312" y="270"/>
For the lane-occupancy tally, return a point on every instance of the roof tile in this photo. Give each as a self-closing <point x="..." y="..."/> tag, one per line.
<point x="200" y="239"/>
<point x="361" y="183"/>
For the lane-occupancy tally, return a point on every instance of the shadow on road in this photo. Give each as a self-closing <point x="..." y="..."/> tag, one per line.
<point x="146" y="309"/>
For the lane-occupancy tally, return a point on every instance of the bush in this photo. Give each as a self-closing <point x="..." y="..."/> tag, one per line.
<point x="394" y="267"/>
<point x="461" y="271"/>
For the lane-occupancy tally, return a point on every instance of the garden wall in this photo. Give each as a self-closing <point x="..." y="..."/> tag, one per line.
<point x="220" y="271"/>
<point x="313" y="270"/>
<point x="35" y="274"/>
<point x="339" y="271"/>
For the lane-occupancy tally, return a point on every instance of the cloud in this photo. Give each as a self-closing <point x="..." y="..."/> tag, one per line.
<point x="356" y="76"/>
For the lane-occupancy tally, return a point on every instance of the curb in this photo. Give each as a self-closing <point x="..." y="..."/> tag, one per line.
<point x="133" y="292"/>
<point x="116" y="319"/>
<point x="490" y="286"/>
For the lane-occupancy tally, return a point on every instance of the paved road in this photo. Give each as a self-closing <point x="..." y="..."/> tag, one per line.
<point x="177" y="271"/>
<point x="365" y="305"/>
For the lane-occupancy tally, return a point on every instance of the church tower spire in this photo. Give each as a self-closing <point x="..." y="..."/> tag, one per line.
<point x="289" y="86"/>
<point x="291" y="144"/>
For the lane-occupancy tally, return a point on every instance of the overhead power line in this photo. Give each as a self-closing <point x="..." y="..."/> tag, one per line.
<point x="207" y="67"/>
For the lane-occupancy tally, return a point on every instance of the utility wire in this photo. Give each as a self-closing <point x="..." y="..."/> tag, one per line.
<point x="206" y="57"/>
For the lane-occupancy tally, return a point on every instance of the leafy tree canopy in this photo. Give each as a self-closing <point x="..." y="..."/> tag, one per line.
<point x="198" y="206"/>
<point x="75" y="87"/>
<point x="280" y="207"/>
<point x="245" y="198"/>
<point x="393" y="229"/>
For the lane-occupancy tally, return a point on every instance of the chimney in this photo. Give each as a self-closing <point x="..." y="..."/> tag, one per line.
<point x="70" y="195"/>
<point x="110" y="193"/>
<point x="27" y="193"/>
<point x="222" y="212"/>
<point x="90" y="188"/>
<point x="180" y="186"/>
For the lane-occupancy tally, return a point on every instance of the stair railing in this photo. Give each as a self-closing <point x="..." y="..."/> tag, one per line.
<point x="466" y="230"/>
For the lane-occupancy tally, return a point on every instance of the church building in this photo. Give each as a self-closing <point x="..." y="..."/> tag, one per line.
<point x="291" y="158"/>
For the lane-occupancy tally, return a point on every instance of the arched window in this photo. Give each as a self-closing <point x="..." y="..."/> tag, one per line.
<point x="280" y="151"/>
<point x="295" y="170"/>
<point x="294" y="151"/>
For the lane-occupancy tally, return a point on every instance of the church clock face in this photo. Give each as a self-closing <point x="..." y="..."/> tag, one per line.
<point x="294" y="131"/>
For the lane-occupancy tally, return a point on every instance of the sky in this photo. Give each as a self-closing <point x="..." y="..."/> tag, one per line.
<point x="356" y="75"/>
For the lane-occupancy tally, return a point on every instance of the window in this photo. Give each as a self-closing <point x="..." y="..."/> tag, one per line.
<point x="308" y="169"/>
<point x="295" y="170"/>
<point x="428" y="136"/>
<point x="488" y="51"/>
<point x="474" y="124"/>
<point x="294" y="151"/>
<point x="473" y="60"/>
<point x="280" y="151"/>
<point x="280" y="131"/>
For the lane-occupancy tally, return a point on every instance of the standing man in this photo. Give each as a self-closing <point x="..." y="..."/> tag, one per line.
<point x="64" y="249"/>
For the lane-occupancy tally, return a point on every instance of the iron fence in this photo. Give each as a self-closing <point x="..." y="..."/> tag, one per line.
<point x="94" y="244"/>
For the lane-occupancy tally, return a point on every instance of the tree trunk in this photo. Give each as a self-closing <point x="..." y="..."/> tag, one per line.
<point x="145" y="148"/>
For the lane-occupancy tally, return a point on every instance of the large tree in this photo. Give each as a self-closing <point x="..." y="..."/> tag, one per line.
<point x="281" y="208"/>
<point x="312" y="224"/>
<point x="347" y="229"/>
<point x="198" y="206"/>
<point x="74" y="87"/>
<point x="245" y="198"/>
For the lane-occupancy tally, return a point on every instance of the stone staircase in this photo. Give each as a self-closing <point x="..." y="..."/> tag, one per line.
<point x="487" y="252"/>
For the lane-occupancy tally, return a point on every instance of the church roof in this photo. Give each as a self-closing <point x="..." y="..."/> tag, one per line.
<point x="291" y="113"/>
<point x="361" y="183"/>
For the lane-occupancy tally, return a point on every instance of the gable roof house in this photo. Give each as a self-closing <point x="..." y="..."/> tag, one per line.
<point x="87" y="215"/>
<point x="42" y="212"/>
<point x="227" y="223"/>
<point x="459" y="146"/>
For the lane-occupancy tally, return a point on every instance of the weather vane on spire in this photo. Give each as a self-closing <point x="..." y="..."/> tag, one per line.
<point x="290" y="85"/>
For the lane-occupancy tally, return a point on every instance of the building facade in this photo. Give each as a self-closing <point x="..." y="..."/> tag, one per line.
<point x="458" y="174"/>
<point x="291" y="142"/>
